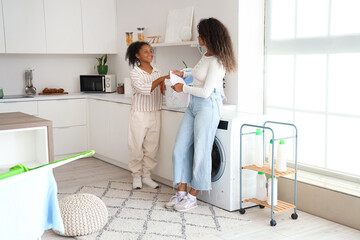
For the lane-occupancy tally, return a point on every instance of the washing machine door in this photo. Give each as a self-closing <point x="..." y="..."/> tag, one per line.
<point x="218" y="160"/>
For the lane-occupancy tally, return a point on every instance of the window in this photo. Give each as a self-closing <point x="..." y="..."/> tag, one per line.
<point x="312" y="79"/>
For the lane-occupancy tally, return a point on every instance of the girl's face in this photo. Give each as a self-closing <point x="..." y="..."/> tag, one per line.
<point x="145" y="54"/>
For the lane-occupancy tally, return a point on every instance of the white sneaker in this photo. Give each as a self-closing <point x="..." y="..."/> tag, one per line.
<point x="185" y="204"/>
<point x="150" y="182"/>
<point x="137" y="184"/>
<point x="174" y="200"/>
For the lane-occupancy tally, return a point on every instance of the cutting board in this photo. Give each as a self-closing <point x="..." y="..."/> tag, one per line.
<point x="54" y="93"/>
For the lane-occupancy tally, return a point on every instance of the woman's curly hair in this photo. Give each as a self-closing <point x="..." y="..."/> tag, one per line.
<point x="218" y="41"/>
<point x="131" y="52"/>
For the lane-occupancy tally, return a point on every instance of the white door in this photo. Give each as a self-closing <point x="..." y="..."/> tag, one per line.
<point x="63" y="26"/>
<point x="2" y="36"/>
<point x="24" y="26"/>
<point x="170" y="122"/>
<point x="118" y="132"/>
<point x="99" y="126"/>
<point x="99" y="26"/>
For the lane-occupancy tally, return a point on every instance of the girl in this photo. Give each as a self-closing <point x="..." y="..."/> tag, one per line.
<point x="144" y="123"/>
<point x="192" y="152"/>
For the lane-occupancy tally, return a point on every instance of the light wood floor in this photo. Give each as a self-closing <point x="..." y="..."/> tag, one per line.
<point x="307" y="226"/>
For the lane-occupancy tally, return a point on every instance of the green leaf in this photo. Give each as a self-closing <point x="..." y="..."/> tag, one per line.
<point x="105" y="59"/>
<point x="184" y="64"/>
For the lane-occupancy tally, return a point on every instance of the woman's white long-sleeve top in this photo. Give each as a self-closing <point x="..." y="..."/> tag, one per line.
<point x="208" y="75"/>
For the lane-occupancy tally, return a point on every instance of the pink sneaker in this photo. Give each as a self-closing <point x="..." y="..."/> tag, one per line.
<point x="174" y="200"/>
<point x="185" y="204"/>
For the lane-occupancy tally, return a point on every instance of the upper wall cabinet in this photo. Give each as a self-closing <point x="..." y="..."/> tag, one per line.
<point x="2" y="36"/>
<point x="24" y="26"/>
<point x="63" y="26"/>
<point x="99" y="26"/>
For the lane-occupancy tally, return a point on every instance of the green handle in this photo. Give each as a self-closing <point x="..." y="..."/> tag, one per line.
<point x="20" y="168"/>
<point x="14" y="171"/>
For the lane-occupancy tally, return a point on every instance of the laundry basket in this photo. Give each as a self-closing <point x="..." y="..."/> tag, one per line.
<point x="172" y="100"/>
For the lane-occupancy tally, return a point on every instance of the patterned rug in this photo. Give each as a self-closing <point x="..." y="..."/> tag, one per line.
<point x="140" y="214"/>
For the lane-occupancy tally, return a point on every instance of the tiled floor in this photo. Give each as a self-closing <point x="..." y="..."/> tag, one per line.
<point x="92" y="172"/>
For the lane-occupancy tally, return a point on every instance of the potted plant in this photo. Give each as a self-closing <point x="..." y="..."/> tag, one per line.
<point x="102" y="68"/>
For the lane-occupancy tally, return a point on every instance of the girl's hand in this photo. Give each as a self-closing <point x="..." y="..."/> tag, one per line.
<point x="178" y="73"/>
<point x="162" y="88"/>
<point x="178" y="87"/>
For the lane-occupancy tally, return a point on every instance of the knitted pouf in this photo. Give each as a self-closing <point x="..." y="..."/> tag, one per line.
<point x="82" y="214"/>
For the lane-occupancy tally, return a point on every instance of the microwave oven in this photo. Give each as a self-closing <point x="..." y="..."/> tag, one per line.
<point x="98" y="83"/>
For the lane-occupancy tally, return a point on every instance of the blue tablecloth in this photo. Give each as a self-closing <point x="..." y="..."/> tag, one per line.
<point x="29" y="205"/>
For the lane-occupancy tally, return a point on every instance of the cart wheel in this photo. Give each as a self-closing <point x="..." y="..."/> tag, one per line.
<point x="242" y="211"/>
<point x="294" y="216"/>
<point x="272" y="223"/>
<point x="261" y="206"/>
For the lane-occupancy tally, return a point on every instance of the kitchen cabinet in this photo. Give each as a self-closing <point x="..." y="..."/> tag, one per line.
<point x="24" y="25"/>
<point x="98" y="126"/>
<point x="108" y="131"/>
<point x="118" y="126"/>
<point x="108" y="135"/>
<point x="99" y="26"/>
<point x="69" y="123"/>
<point x="170" y="122"/>
<point x="24" y="107"/>
<point x="63" y="26"/>
<point x="2" y="35"/>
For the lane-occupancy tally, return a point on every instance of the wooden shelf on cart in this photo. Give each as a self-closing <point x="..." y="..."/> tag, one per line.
<point x="265" y="169"/>
<point x="280" y="207"/>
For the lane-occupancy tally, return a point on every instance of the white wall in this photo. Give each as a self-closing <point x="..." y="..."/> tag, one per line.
<point x="51" y="71"/>
<point x="153" y="17"/>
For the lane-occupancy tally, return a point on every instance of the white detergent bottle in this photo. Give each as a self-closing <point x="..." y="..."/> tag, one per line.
<point x="261" y="186"/>
<point x="270" y="159"/>
<point x="270" y="190"/>
<point x="258" y="149"/>
<point x="280" y="159"/>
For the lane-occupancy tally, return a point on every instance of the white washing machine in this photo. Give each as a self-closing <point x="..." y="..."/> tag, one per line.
<point x="225" y="174"/>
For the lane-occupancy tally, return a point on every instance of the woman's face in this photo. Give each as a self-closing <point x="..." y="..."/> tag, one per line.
<point x="145" y="54"/>
<point x="201" y="41"/>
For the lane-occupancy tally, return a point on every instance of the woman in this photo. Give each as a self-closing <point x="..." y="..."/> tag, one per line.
<point x="144" y="124"/>
<point x="192" y="152"/>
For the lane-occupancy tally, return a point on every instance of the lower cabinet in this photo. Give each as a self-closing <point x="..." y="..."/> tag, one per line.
<point x="30" y="107"/>
<point x="70" y="140"/>
<point x="108" y="131"/>
<point x="170" y="122"/>
<point x="108" y="135"/>
<point x="69" y="125"/>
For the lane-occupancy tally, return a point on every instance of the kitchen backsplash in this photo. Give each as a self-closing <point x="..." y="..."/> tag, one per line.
<point x="51" y="71"/>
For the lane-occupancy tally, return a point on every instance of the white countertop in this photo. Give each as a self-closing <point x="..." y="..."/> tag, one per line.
<point x="111" y="97"/>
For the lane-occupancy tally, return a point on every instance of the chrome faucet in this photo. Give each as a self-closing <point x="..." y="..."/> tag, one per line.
<point x="29" y="87"/>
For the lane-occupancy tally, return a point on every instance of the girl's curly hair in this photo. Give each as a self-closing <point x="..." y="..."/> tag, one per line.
<point x="218" y="41"/>
<point x="131" y="52"/>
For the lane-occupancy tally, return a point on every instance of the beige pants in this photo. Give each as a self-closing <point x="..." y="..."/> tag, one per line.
<point x="143" y="142"/>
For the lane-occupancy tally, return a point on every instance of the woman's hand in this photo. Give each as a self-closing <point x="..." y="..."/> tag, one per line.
<point x="178" y="87"/>
<point x="178" y="73"/>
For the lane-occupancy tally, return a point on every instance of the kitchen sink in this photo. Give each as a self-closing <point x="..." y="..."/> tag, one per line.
<point x="17" y="96"/>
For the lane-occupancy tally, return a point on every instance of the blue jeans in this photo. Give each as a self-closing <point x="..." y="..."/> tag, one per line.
<point x="194" y="141"/>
